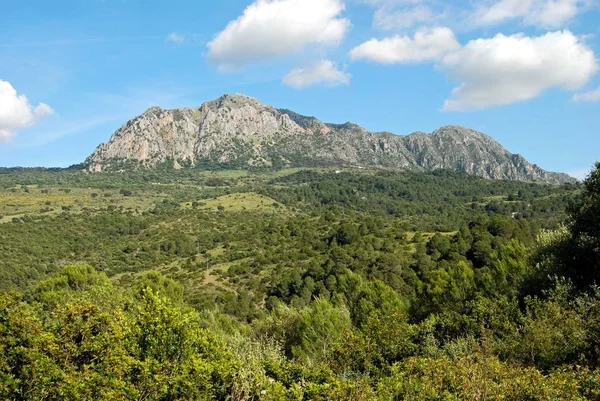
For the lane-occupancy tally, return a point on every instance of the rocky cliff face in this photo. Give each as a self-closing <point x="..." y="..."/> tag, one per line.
<point x="240" y="131"/>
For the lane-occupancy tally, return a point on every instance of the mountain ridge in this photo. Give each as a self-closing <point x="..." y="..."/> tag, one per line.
<point x="240" y="131"/>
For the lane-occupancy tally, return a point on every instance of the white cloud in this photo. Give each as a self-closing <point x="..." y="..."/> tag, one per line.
<point x="388" y="19"/>
<point x="16" y="112"/>
<point x="502" y="10"/>
<point x="554" y="13"/>
<point x="508" y="69"/>
<point x="545" y="13"/>
<point x="175" y="37"/>
<point x="273" y="28"/>
<point x="321" y="72"/>
<point x="43" y="110"/>
<point x="426" y="45"/>
<point x="403" y="14"/>
<point x="592" y="96"/>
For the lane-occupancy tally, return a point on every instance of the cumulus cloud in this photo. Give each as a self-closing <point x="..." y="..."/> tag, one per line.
<point x="545" y="13"/>
<point x="508" y="69"/>
<point x="403" y="14"/>
<point x="393" y="17"/>
<point x="273" y="28"/>
<point x="591" y="96"/>
<point x="16" y="112"/>
<point x="426" y="45"/>
<point x="389" y="19"/>
<point x="175" y="37"/>
<point x="322" y="72"/>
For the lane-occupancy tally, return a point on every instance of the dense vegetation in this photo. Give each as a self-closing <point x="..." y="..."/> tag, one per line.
<point x="299" y="285"/>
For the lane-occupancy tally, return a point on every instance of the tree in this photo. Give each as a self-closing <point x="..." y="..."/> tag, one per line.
<point x="159" y="284"/>
<point x="449" y="286"/>
<point x="319" y="327"/>
<point x="177" y="359"/>
<point x="584" y="252"/>
<point x="75" y="282"/>
<point x="149" y="350"/>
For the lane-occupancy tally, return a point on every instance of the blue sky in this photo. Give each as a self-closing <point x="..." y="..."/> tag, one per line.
<point x="524" y="72"/>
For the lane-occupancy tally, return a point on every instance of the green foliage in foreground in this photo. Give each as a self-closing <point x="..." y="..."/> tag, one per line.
<point x="81" y="350"/>
<point x="72" y="342"/>
<point x="331" y="295"/>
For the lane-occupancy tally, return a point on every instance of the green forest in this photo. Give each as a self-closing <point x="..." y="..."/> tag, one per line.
<point x="297" y="284"/>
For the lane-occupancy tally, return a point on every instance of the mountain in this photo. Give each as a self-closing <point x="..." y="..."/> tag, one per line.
<point x="239" y="131"/>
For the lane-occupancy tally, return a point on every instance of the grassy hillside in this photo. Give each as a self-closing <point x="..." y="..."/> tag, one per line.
<point x="304" y="284"/>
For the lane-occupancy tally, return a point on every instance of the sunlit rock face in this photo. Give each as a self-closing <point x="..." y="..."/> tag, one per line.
<point x="241" y="131"/>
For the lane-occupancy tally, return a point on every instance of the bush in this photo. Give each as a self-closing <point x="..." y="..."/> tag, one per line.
<point x="480" y="377"/>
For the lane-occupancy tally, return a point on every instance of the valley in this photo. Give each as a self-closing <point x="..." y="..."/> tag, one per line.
<point x="345" y="277"/>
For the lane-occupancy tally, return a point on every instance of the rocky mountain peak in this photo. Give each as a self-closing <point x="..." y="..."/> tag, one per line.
<point x="238" y="101"/>
<point x="240" y="131"/>
<point x="461" y="133"/>
<point x="154" y="110"/>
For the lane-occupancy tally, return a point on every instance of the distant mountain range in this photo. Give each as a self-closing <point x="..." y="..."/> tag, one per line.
<point x="238" y="131"/>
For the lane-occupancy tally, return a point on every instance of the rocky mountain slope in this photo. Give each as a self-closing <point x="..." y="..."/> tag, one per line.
<point x="239" y="131"/>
